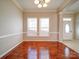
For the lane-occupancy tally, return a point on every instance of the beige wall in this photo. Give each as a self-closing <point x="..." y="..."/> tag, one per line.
<point x="53" y="25"/>
<point x="10" y="26"/>
<point x="77" y="26"/>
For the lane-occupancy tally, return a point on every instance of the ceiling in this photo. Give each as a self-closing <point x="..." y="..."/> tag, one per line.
<point x="53" y="5"/>
<point x="74" y="7"/>
<point x="28" y="5"/>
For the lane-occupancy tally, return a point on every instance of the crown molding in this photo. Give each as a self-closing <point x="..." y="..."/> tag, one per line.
<point x="63" y="5"/>
<point x="40" y="10"/>
<point x="30" y="10"/>
<point x="66" y="3"/>
<point x="17" y="4"/>
<point x="67" y="13"/>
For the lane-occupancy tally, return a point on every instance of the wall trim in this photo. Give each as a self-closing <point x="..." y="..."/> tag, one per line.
<point x="8" y="35"/>
<point x="17" y="4"/>
<point x="48" y="32"/>
<point x="77" y="51"/>
<point x="10" y="49"/>
<point x="66" y="4"/>
<point x="34" y="10"/>
<point x="39" y="40"/>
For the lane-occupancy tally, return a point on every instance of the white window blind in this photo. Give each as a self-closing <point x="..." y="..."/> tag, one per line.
<point x="44" y="27"/>
<point x="31" y="26"/>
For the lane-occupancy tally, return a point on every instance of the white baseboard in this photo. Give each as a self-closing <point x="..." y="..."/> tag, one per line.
<point x="38" y="40"/>
<point x="10" y="49"/>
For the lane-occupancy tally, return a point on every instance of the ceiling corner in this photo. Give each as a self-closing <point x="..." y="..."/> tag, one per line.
<point x="17" y="4"/>
<point x="66" y="3"/>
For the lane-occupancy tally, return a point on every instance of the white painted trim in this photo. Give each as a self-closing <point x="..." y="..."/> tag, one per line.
<point x="34" y="10"/>
<point x="70" y="45"/>
<point x="10" y="49"/>
<point x="63" y="5"/>
<point x="40" y="40"/>
<point x="67" y="12"/>
<point x="17" y="4"/>
<point x="8" y="35"/>
<point x="66" y="3"/>
<point x="48" y="32"/>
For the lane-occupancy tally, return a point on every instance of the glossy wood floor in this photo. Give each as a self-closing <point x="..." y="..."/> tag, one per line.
<point x="41" y="50"/>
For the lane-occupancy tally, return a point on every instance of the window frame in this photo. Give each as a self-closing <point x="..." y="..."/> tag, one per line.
<point x="31" y="30"/>
<point x="38" y="24"/>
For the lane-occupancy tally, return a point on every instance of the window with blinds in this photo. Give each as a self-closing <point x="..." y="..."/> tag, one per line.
<point x="31" y="26"/>
<point x="42" y="28"/>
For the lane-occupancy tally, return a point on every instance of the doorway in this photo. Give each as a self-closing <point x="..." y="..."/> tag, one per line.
<point x="67" y="28"/>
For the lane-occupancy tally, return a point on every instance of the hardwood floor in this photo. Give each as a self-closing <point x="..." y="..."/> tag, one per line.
<point x="42" y="50"/>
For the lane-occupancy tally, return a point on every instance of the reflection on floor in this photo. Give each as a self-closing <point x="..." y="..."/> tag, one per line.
<point x="42" y="50"/>
<point x="32" y="53"/>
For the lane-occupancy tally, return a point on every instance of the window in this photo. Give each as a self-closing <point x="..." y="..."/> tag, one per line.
<point x="31" y="26"/>
<point x="67" y="28"/>
<point x="66" y="19"/>
<point x="67" y="24"/>
<point x="43" y="27"/>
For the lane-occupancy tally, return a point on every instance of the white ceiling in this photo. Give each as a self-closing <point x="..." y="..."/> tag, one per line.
<point x="29" y="5"/>
<point x="73" y="8"/>
<point x="53" y="5"/>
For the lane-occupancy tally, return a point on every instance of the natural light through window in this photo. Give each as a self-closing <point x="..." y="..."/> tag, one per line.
<point x="43" y="27"/>
<point x="38" y="28"/>
<point x="31" y="26"/>
<point x="67" y="28"/>
<point x="66" y="19"/>
<point x="67" y="24"/>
